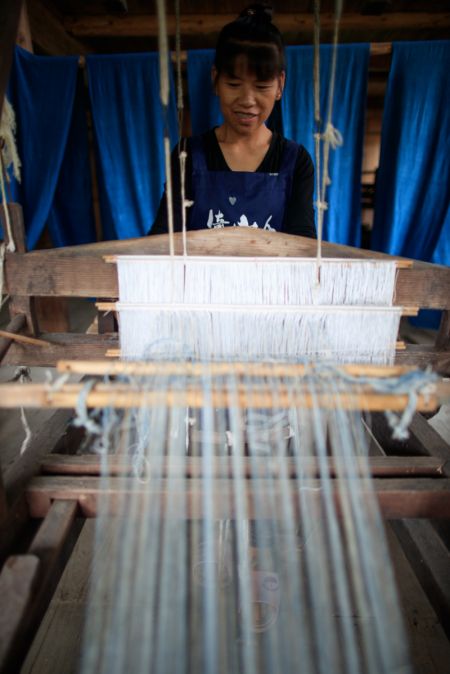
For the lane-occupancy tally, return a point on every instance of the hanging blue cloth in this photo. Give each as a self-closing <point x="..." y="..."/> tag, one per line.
<point x="49" y="126"/>
<point x="412" y="209"/>
<point x="129" y="126"/>
<point x="342" y="221"/>
<point x="204" y="104"/>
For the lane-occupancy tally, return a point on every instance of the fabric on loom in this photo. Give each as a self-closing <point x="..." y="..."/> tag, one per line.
<point x="129" y="127"/>
<point x="412" y="209"/>
<point x="342" y="221"/>
<point x="52" y="144"/>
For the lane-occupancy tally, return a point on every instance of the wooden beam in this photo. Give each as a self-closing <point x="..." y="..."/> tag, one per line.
<point x="146" y="25"/>
<point x="80" y="271"/>
<point x="49" y="34"/>
<point x="9" y="22"/>
<point x="184" y="499"/>
<point x="193" y="467"/>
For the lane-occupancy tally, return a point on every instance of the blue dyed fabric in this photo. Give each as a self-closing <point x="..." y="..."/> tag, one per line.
<point x="129" y="125"/>
<point x="342" y="221"/>
<point x="51" y="124"/>
<point x="412" y="210"/>
<point x="204" y="104"/>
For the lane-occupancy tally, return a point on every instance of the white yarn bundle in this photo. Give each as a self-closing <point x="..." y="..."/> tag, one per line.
<point x="239" y="308"/>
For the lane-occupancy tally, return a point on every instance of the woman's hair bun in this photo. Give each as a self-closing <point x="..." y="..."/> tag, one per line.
<point x="259" y="13"/>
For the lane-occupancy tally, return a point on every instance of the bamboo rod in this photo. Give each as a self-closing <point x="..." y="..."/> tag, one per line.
<point x="102" y="367"/>
<point x="335" y="308"/>
<point x="118" y="395"/>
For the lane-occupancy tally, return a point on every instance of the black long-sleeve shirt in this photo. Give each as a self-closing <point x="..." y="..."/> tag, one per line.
<point x="299" y="216"/>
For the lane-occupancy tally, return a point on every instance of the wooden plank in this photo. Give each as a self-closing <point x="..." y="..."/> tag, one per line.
<point x="53" y="532"/>
<point x="17" y="584"/>
<point x="430" y="559"/>
<point x="15" y="326"/>
<point x="126" y="396"/>
<point x="81" y="272"/>
<point x="9" y="22"/>
<point x="146" y="25"/>
<point x="398" y="498"/>
<point x="193" y="467"/>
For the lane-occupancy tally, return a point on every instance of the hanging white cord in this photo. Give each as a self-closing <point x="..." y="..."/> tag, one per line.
<point x="331" y="137"/>
<point x="10" y="246"/>
<point x="182" y="156"/>
<point x="318" y="129"/>
<point x="163" y="49"/>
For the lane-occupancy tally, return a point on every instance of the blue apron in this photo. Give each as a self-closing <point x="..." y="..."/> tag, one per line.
<point x="238" y="198"/>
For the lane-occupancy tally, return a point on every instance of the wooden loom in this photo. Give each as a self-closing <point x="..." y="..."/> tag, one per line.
<point x="415" y="486"/>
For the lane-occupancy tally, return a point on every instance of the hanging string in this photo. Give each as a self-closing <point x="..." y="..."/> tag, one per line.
<point x="330" y="137"/>
<point x="182" y="154"/>
<point x="164" y="90"/>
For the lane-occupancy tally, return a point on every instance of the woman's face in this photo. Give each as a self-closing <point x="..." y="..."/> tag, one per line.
<point x="246" y="102"/>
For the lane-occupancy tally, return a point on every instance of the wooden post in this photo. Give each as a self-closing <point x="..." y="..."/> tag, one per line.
<point x="9" y="21"/>
<point x="3" y="503"/>
<point x="443" y="336"/>
<point x="19" y="304"/>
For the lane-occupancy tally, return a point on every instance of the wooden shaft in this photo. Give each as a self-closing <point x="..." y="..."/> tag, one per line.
<point x="7" y="336"/>
<point x="123" y="396"/>
<point x="33" y="341"/>
<point x="223" y="466"/>
<point x="250" y="369"/>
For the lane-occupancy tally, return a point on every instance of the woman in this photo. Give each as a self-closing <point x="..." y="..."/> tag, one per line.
<point x="241" y="173"/>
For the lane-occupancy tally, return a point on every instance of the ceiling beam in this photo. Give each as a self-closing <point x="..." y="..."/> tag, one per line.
<point x="146" y="25"/>
<point x="9" y="22"/>
<point x="48" y="32"/>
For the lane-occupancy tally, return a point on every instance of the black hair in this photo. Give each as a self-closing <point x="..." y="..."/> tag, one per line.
<point x="253" y="36"/>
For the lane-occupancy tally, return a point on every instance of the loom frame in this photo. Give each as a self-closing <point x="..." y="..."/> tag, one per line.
<point x="67" y="488"/>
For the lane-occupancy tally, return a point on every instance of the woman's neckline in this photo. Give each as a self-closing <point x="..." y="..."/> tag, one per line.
<point x="258" y="168"/>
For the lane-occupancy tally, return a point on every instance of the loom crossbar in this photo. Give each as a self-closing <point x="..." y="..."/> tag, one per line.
<point x="398" y="498"/>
